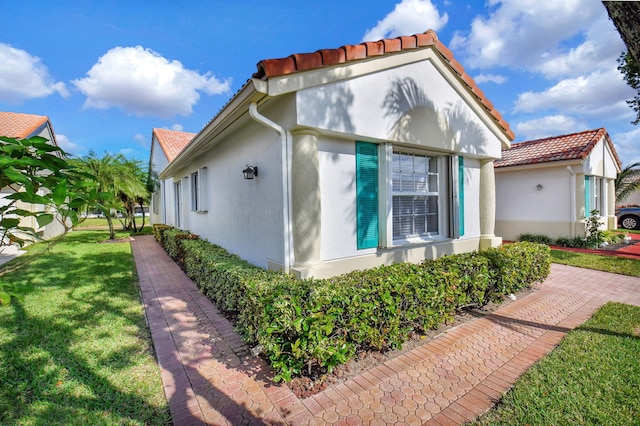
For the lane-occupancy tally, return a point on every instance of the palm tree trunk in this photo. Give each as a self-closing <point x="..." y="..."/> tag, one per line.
<point x="112" y="234"/>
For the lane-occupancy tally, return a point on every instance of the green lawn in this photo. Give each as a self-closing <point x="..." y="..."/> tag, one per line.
<point x="76" y="350"/>
<point x="97" y="221"/>
<point x="591" y="378"/>
<point x="615" y="264"/>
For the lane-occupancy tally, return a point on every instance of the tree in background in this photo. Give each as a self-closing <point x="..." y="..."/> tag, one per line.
<point x="137" y="197"/>
<point x="125" y="179"/>
<point x="631" y="73"/>
<point x="627" y="182"/>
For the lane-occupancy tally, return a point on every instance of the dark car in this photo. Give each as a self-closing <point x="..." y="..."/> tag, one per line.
<point x="628" y="217"/>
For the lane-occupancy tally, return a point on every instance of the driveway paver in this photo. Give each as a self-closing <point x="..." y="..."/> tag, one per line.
<point x="210" y="376"/>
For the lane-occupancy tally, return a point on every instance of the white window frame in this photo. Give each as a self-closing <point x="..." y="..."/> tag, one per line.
<point x="195" y="191"/>
<point x="198" y="189"/>
<point x="177" y="195"/>
<point x="386" y="194"/>
<point x="598" y="195"/>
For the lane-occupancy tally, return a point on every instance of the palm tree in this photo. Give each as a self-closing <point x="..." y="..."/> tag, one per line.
<point x="136" y="194"/>
<point x="114" y="174"/>
<point x="627" y="182"/>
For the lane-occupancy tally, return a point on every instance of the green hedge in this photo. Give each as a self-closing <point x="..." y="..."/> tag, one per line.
<point x="314" y="325"/>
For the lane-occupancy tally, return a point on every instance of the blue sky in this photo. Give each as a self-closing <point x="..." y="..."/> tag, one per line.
<point x="106" y="73"/>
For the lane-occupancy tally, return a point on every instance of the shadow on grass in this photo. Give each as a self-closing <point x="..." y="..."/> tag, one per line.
<point x="43" y="373"/>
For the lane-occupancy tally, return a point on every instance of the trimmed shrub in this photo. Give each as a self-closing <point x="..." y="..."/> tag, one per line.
<point x="310" y="326"/>
<point x="517" y="266"/>
<point x="158" y="230"/>
<point x="535" y="238"/>
<point x="172" y="239"/>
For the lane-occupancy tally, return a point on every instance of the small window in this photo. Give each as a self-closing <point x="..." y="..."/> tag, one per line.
<point x="177" y="191"/>
<point x="199" y="190"/>
<point x="155" y="201"/>
<point x="195" y="192"/>
<point x="415" y="183"/>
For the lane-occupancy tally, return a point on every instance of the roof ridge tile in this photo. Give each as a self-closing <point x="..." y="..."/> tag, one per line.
<point x="268" y="68"/>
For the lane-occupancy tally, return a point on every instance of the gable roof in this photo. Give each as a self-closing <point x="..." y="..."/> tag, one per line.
<point x="298" y="62"/>
<point x="21" y="126"/>
<point x="574" y="146"/>
<point x="171" y="141"/>
<point x="257" y="88"/>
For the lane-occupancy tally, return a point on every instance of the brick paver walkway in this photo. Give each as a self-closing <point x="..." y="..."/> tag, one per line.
<point x="211" y="378"/>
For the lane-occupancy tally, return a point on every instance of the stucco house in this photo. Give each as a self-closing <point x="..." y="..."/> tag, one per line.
<point x="23" y="126"/>
<point x="549" y="186"/>
<point x="343" y="159"/>
<point x="631" y="201"/>
<point x="165" y="146"/>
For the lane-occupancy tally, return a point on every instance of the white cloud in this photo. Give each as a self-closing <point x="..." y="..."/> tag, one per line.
<point x="141" y="139"/>
<point x="601" y="92"/>
<point x="408" y="17"/>
<point x="601" y="47"/>
<point x="493" y="78"/>
<point x="531" y="34"/>
<point x="142" y="82"/>
<point x="177" y="127"/>
<point x="551" y="125"/>
<point x="128" y="152"/>
<point x="627" y="146"/>
<point x="68" y="146"/>
<point x="23" y="76"/>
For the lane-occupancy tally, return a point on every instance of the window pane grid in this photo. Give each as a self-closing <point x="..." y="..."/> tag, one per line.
<point x="415" y="195"/>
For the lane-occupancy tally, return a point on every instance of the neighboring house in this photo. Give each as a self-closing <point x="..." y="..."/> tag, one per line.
<point x="165" y="146"/>
<point x="632" y="200"/>
<point x="23" y="126"/>
<point x="364" y="155"/>
<point x="549" y="186"/>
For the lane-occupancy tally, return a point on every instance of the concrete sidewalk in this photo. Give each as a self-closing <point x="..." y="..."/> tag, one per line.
<point x="10" y="252"/>
<point x="210" y="378"/>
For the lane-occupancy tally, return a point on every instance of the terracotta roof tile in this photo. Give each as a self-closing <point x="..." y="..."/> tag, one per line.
<point x="307" y="61"/>
<point x="333" y="56"/>
<point x="20" y="126"/>
<point x="172" y="142"/>
<point x="574" y="146"/>
<point x="408" y="42"/>
<point x="392" y="45"/>
<point x="374" y="48"/>
<point x="269" y="68"/>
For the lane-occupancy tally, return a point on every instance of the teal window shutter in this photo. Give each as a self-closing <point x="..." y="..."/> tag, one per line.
<point x="587" y="196"/>
<point x="461" y="194"/>
<point x="367" y="194"/>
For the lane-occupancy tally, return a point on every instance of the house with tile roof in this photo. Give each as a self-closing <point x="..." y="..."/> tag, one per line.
<point x="165" y="146"/>
<point x="549" y="186"/>
<point x="344" y="159"/>
<point x="23" y="126"/>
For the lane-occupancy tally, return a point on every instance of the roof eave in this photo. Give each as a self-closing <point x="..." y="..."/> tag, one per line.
<point x="542" y="165"/>
<point x="253" y="91"/>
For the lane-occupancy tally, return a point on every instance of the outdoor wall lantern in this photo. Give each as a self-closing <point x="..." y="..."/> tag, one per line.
<point x="250" y="172"/>
<point x="539" y="187"/>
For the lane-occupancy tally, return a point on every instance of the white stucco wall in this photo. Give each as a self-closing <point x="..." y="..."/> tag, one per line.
<point x="471" y="198"/>
<point x="633" y="199"/>
<point x="243" y="216"/>
<point x="600" y="162"/>
<point x="158" y="163"/>
<point x="337" y="161"/>
<point x="518" y="199"/>
<point x="413" y="104"/>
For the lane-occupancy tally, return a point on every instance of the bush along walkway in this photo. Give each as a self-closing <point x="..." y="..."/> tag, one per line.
<point x="210" y="376"/>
